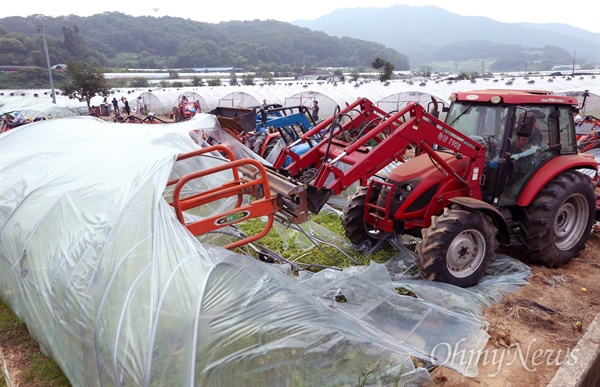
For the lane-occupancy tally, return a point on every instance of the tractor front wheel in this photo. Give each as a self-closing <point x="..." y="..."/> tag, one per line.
<point x="458" y="247"/>
<point x="355" y="228"/>
<point x="558" y="222"/>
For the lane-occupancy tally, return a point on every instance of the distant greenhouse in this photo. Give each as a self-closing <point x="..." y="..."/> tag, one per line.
<point x="388" y="96"/>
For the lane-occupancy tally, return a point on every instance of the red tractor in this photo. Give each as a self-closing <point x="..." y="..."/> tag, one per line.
<point x="185" y="109"/>
<point x="503" y="168"/>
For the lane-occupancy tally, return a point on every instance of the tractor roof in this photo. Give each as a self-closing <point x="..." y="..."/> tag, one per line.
<point x="515" y="96"/>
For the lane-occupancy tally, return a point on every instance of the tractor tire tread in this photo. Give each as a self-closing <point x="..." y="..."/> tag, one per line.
<point x="538" y="219"/>
<point x="432" y="250"/>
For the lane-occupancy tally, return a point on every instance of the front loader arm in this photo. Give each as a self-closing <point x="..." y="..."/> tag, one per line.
<point x="421" y="131"/>
<point x="332" y="127"/>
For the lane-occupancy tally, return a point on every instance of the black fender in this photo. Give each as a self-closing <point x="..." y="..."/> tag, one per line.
<point x="497" y="218"/>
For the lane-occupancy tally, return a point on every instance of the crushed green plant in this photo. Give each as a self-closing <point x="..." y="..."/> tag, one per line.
<point x="315" y="257"/>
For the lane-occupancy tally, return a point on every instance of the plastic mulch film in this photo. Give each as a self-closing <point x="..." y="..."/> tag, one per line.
<point x="119" y="292"/>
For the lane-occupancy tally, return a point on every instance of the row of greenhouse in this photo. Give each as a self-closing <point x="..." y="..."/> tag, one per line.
<point x="389" y="96"/>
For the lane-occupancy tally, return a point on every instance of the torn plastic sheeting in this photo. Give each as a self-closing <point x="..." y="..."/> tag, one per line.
<point x="440" y="328"/>
<point x="118" y="292"/>
<point x="216" y="133"/>
<point x="422" y="326"/>
<point x="505" y="275"/>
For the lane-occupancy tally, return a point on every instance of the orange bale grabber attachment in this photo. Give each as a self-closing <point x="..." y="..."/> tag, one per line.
<point x="263" y="206"/>
<point x="268" y="194"/>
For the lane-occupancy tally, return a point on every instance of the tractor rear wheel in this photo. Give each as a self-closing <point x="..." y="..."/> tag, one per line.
<point x="558" y="222"/>
<point x="458" y="247"/>
<point x="355" y="228"/>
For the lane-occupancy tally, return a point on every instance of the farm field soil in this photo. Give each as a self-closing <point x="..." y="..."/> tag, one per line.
<point x="535" y="329"/>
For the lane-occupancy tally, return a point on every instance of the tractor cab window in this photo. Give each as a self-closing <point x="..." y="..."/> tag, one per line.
<point x="540" y="134"/>
<point x="484" y="123"/>
<point x="532" y="147"/>
<point x="567" y="138"/>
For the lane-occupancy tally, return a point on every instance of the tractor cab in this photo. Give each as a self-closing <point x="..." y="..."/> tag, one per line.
<point x="522" y="131"/>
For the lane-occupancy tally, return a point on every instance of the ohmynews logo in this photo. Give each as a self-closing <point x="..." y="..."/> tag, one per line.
<point x="530" y="359"/>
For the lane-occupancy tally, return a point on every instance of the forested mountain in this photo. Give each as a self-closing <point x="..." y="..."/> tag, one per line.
<point x="427" y="33"/>
<point x="414" y="38"/>
<point x="501" y="57"/>
<point x="117" y="40"/>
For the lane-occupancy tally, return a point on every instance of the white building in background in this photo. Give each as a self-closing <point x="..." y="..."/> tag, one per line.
<point x="566" y="67"/>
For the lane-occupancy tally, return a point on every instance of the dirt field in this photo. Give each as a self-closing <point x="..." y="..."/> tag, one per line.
<point x="533" y="330"/>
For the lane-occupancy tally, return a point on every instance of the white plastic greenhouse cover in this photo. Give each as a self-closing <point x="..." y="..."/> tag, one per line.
<point x="118" y="292"/>
<point x="278" y="93"/>
<point x="192" y="96"/>
<point x="207" y="96"/>
<point x="159" y="101"/>
<point x="592" y="102"/>
<point x="395" y="102"/>
<point x="251" y="96"/>
<point x="129" y="93"/>
<point x="331" y="96"/>
<point x="162" y="101"/>
<point x="10" y="93"/>
<point x="239" y="99"/>
<point x="32" y="107"/>
<point x="334" y="93"/>
<point x="349" y="92"/>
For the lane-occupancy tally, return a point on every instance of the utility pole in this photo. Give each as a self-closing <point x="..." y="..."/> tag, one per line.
<point x="41" y="31"/>
<point x="482" y="63"/>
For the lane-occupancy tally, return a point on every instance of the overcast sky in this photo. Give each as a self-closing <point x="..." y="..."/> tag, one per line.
<point x="584" y="14"/>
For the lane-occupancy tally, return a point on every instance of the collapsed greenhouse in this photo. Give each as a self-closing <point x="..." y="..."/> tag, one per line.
<point x="118" y="291"/>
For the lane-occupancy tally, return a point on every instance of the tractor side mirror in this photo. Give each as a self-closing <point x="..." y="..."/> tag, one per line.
<point x="433" y="107"/>
<point x="525" y="124"/>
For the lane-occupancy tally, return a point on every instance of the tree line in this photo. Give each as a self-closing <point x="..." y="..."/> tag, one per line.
<point x="113" y="40"/>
